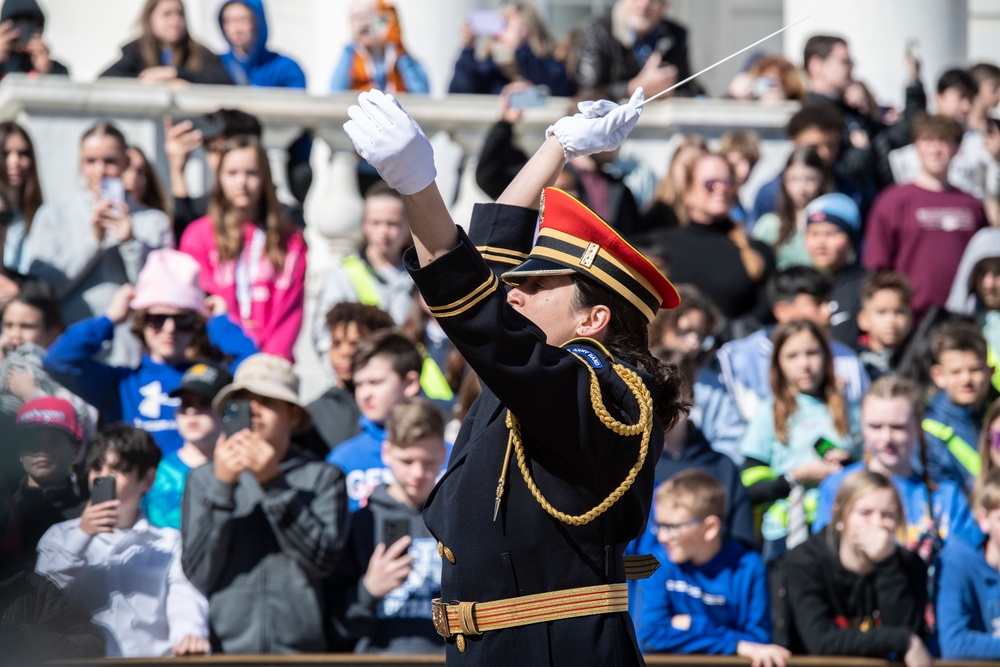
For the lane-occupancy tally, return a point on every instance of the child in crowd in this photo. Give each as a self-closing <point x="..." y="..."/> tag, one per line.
<point x="933" y="511"/>
<point x="709" y="594"/>
<point x="922" y="228"/>
<point x="805" y="178"/>
<point x="124" y="571"/>
<point x="968" y="587"/>
<point x="395" y="559"/>
<point x="851" y="590"/>
<point x="200" y="427"/>
<point x="885" y="318"/>
<point x="30" y="317"/>
<point x="782" y="460"/>
<point x="264" y="523"/>
<point x="89" y="245"/>
<point x="833" y="231"/>
<point x="48" y="437"/>
<point x="385" y="370"/>
<point x="683" y="334"/>
<point x="335" y="413"/>
<point x="374" y="275"/>
<point x="796" y="293"/>
<point x="955" y="413"/>
<point x="170" y="319"/>
<point x="248" y="250"/>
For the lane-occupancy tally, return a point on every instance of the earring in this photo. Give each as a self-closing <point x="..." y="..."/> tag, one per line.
<point x="839" y="526"/>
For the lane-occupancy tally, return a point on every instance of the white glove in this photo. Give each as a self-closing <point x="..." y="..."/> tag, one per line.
<point x="392" y="142"/>
<point x="599" y="127"/>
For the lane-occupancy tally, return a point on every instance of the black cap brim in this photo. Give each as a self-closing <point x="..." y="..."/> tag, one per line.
<point x="535" y="266"/>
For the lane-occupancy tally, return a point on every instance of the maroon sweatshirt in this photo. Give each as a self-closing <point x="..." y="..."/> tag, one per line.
<point x="921" y="234"/>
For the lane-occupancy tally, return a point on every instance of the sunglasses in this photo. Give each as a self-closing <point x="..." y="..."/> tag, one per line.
<point x="719" y="184"/>
<point x="995" y="439"/>
<point x="182" y="321"/>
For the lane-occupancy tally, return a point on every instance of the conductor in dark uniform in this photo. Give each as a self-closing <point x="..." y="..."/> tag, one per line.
<point x="552" y="473"/>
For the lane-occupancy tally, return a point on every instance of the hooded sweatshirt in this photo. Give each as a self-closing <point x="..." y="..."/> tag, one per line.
<point x="19" y="61"/>
<point x="968" y="604"/>
<point x="726" y="598"/>
<point x="836" y="612"/>
<point x="260" y="67"/>
<point x="401" y="621"/>
<point x="984" y="244"/>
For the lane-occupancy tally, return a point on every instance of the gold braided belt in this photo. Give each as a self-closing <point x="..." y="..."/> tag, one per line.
<point x="458" y="619"/>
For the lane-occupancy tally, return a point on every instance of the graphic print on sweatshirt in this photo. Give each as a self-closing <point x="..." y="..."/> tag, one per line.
<point x="946" y="219"/>
<point x="151" y="417"/>
<point x="413" y="598"/>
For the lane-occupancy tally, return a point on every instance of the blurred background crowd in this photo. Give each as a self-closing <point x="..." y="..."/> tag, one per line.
<point x="211" y="445"/>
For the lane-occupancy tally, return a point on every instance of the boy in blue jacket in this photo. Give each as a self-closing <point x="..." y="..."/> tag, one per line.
<point x="249" y="62"/>
<point x="709" y="596"/>
<point x="955" y="414"/>
<point x="968" y="585"/>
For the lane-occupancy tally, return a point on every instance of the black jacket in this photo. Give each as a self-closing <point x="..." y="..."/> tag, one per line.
<point x="41" y="509"/>
<point x="604" y="62"/>
<point x="845" y="303"/>
<point x="574" y="459"/>
<point x="212" y="71"/>
<point x="836" y="612"/>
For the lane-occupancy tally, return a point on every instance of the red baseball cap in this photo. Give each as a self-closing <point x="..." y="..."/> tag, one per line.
<point x="50" y="412"/>
<point x="574" y="239"/>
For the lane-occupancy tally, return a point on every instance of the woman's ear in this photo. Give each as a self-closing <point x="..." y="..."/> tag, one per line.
<point x="594" y="322"/>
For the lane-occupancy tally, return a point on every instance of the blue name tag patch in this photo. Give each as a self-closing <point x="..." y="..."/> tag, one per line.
<point x="587" y="355"/>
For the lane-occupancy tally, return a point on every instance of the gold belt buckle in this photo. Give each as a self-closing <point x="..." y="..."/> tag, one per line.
<point x="439" y="616"/>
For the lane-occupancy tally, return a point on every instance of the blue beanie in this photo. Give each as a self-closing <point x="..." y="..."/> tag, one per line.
<point x="837" y="209"/>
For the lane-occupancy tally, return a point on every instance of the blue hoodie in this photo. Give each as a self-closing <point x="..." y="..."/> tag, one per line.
<point x="968" y="604"/>
<point x="726" y="598"/>
<point x="261" y="68"/>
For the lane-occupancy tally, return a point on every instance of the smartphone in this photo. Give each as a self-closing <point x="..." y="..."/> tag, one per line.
<point x="102" y="490"/>
<point x="486" y="23"/>
<point x="236" y="417"/>
<point x="210" y="126"/>
<point x="394" y="529"/>
<point x="822" y="446"/>
<point x="530" y="97"/>
<point x="113" y="190"/>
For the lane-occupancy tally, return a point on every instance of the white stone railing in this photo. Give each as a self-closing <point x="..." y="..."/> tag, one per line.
<point x="56" y="112"/>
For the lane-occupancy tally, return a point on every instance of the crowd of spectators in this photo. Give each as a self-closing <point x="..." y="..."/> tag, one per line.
<point x="165" y="489"/>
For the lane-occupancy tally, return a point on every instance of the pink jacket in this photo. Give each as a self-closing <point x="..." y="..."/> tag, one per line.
<point x="277" y="301"/>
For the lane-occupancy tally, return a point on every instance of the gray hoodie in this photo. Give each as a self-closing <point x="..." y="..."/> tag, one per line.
<point x="983" y="245"/>
<point x="259" y="553"/>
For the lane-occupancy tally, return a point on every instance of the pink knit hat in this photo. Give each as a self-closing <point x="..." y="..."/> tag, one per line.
<point x="169" y="278"/>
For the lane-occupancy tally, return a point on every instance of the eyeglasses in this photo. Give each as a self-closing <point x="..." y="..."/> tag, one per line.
<point x="673" y="528"/>
<point x="182" y="321"/>
<point x="719" y="184"/>
<point x="995" y="439"/>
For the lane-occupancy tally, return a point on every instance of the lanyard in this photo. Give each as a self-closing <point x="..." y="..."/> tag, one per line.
<point x="247" y="270"/>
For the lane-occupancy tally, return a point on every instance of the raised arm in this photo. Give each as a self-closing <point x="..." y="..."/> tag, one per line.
<point x="392" y="142"/>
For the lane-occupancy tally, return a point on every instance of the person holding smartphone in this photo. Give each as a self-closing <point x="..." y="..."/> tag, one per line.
<point x="264" y="523"/>
<point x="94" y="241"/>
<point x="22" y="50"/>
<point x="159" y="612"/>
<point x="391" y="556"/>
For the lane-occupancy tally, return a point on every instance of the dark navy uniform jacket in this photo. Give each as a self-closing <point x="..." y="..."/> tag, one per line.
<point x="574" y="459"/>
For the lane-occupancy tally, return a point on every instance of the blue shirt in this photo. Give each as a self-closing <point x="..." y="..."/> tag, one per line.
<point x="260" y="67"/>
<point x="968" y="603"/>
<point x="162" y="504"/>
<point x="361" y="460"/>
<point x="726" y="598"/>
<point x="966" y="422"/>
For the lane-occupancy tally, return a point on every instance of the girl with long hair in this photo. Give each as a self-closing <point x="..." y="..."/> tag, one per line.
<point x="249" y="253"/>
<point x="177" y="326"/>
<point x="805" y="178"/>
<point x="891" y="416"/>
<point x="165" y="52"/>
<point x="142" y="185"/>
<point x="524" y="51"/>
<point x="20" y="175"/>
<point x="667" y="207"/>
<point x="851" y="589"/>
<point x="783" y="462"/>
